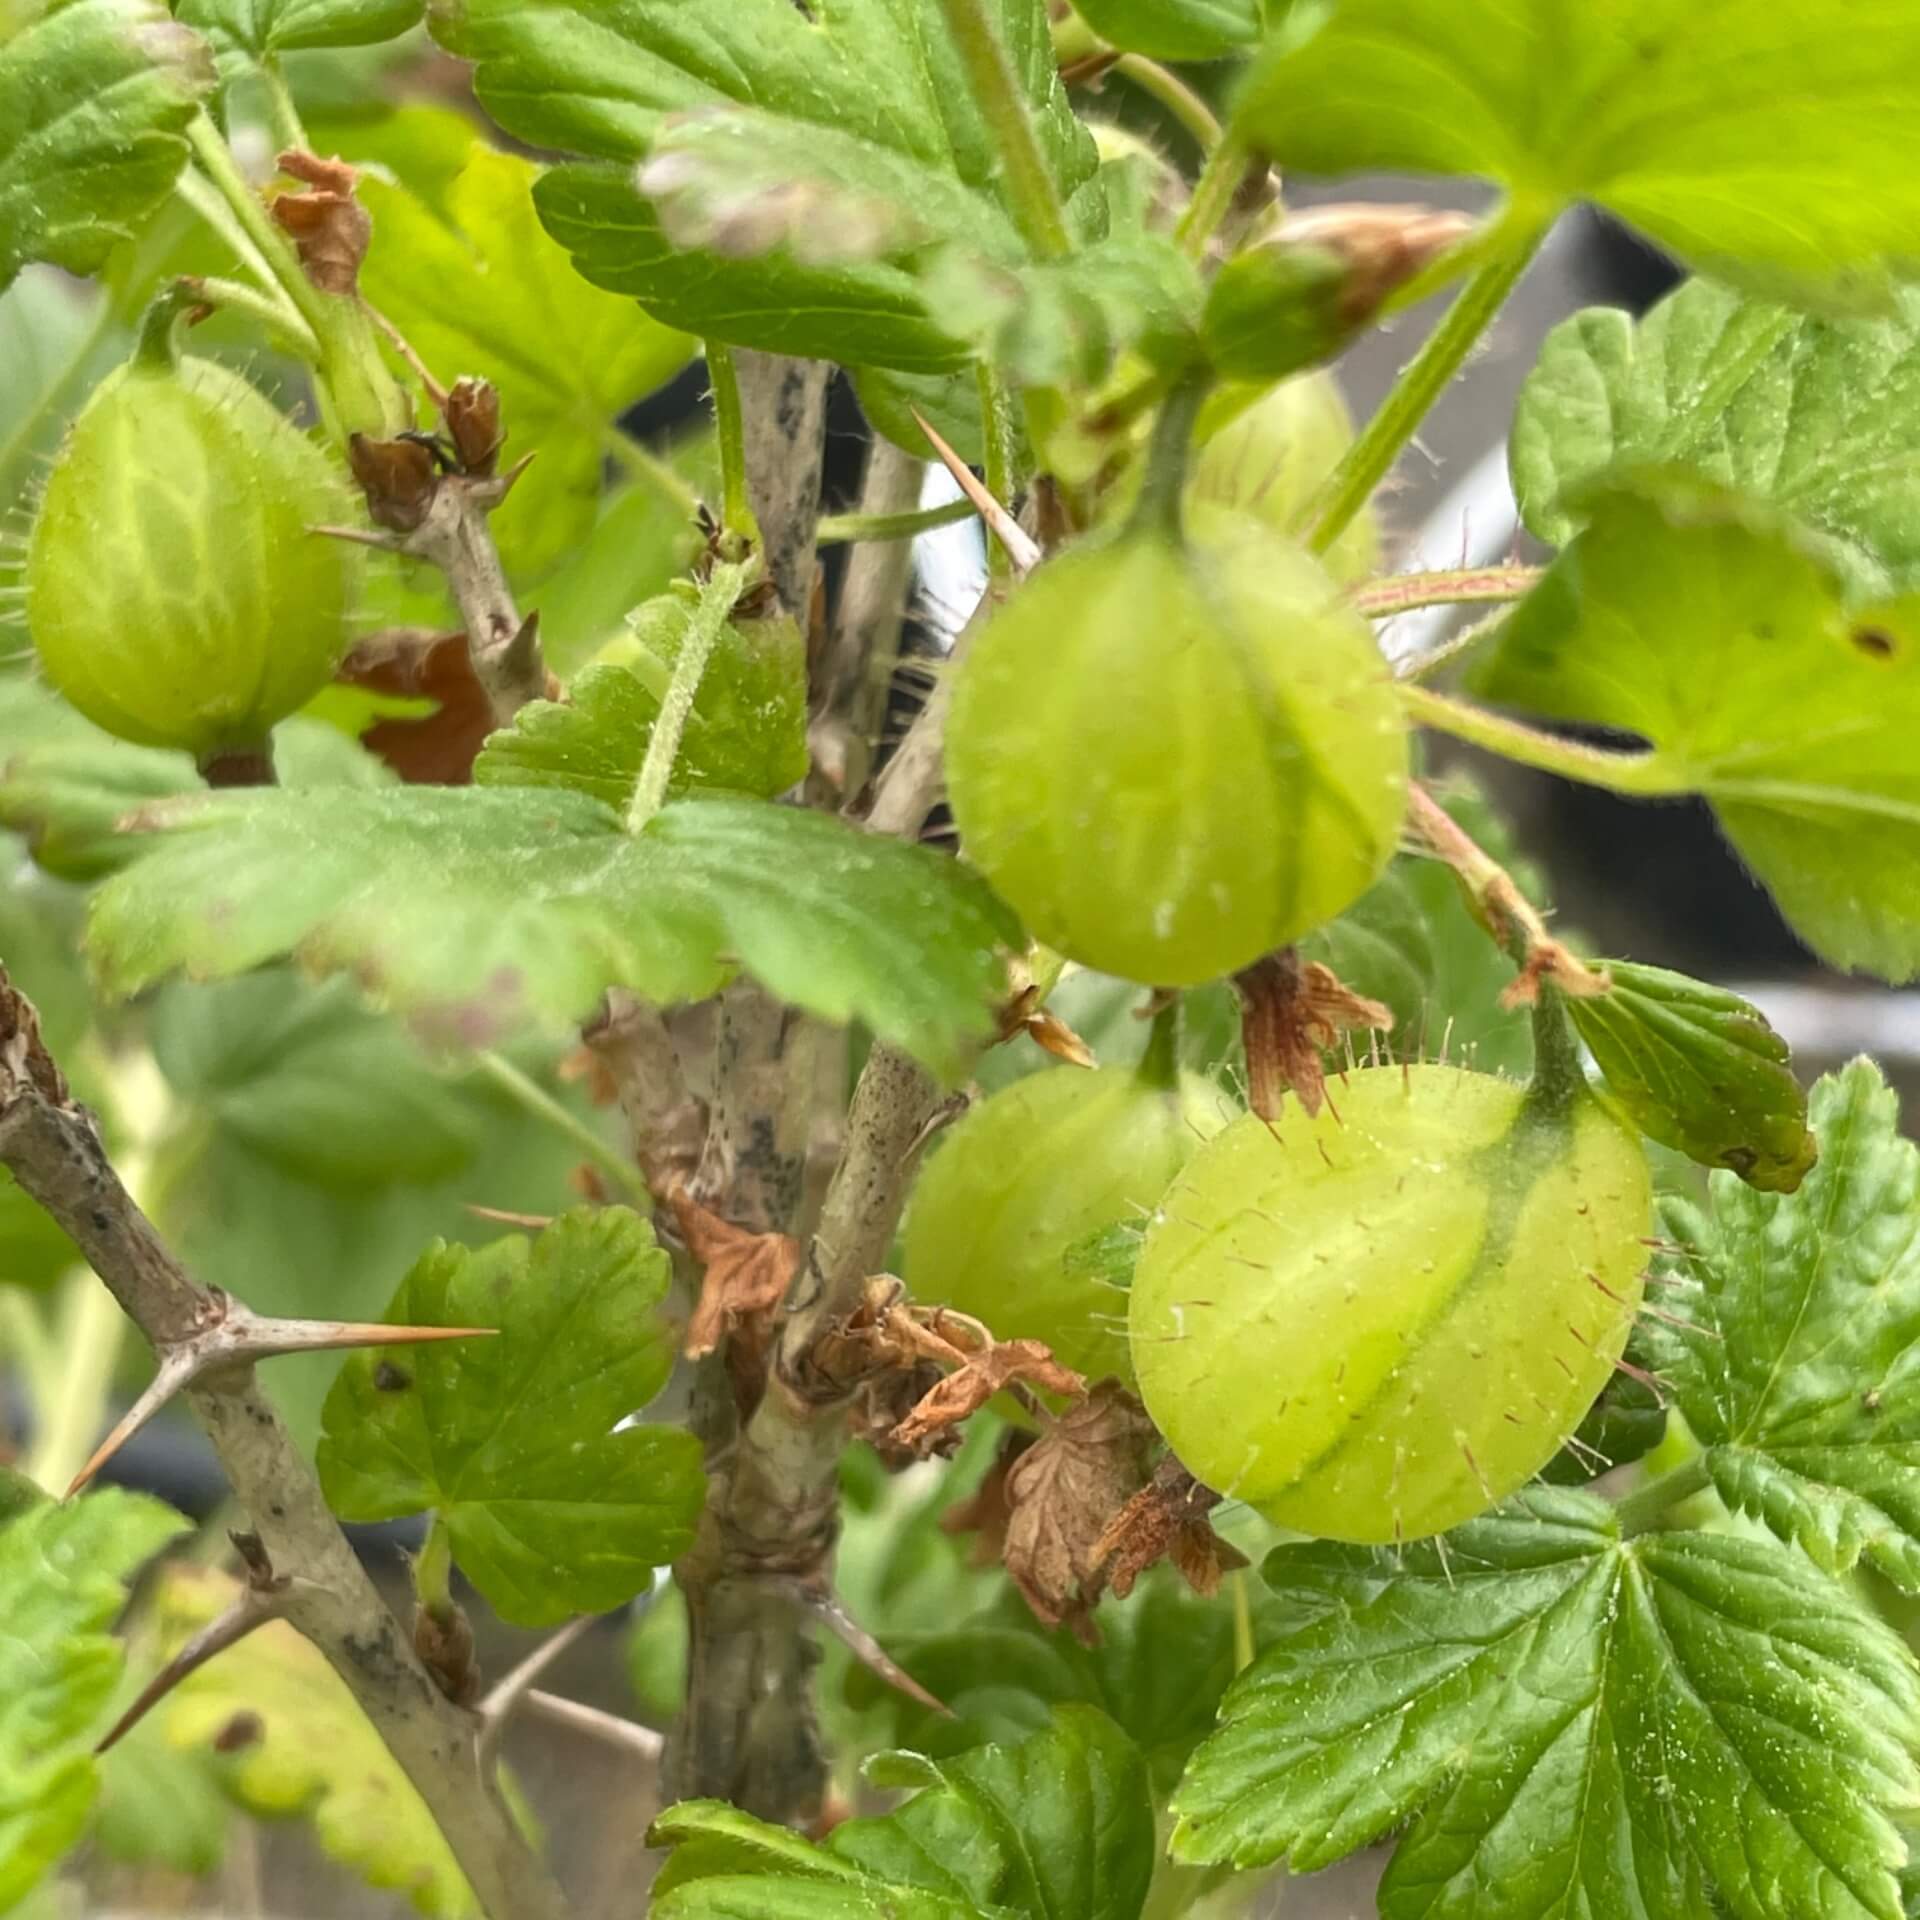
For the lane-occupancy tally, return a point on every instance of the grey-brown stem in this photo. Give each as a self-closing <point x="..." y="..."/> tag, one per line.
<point x="53" y="1149"/>
<point x="783" y="403"/>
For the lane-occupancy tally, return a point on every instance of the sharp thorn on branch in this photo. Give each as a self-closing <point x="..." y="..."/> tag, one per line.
<point x="1022" y="549"/>
<point x="831" y="1612"/>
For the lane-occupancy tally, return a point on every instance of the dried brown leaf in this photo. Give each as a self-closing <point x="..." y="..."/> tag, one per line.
<point x="986" y="1511"/>
<point x="1006" y="1363"/>
<point x="1166" y="1520"/>
<point x="745" y="1278"/>
<point x="436" y="749"/>
<point x="1063" y="1492"/>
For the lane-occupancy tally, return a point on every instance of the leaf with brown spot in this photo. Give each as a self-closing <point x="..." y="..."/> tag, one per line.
<point x="746" y="1274"/>
<point x="1291" y="1012"/>
<point x="329" y="227"/>
<point x="1006" y="1363"/>
<point x="1166" y="1520"/>
<point x="1063" y="1491"/>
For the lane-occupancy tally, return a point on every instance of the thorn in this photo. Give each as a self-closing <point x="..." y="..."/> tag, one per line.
<point x="1651" y="1381"/>
<point x="363" y="537"/>
<point x="1022" y="549"/>
<point x="828" y="1609"/>
<point x="642" y="1742"/>
<point x="233" y="1335"/>
<point x="516" y="1687"/>
<point x="265" y="1597"/>
<point x="533" y="1222"/>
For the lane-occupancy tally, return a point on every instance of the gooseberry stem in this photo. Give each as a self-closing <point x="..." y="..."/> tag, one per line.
<point x="1399" y="593"/>
<point x="996" y="432"/>
<point x="838" y="529"/>
<point x="1646" y="773"/>
<point x="1369" y="460"/>
<point x="1643" y="1509"/>
<point x="1032" y="197"/>
<point x="718" y="598"/>
<point x="1164" y="479"/>
<point x="736" y="510"/>
<point x="536" y="1100"/>
<point x="281" y="111"/>
<point x="433" y="1569"/>
<point x="1159" y="1066"/>
<point x="1173" y="93"/>
<point x="1213" y="195"/>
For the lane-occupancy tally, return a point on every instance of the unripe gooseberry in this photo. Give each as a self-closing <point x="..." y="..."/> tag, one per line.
<point x="1375" y="1323"/>
<point x="1269" y="457"/>
<point x="176" y="593"/>
<point x="1027" y="1177"/>
<point x="1173" y="756"/>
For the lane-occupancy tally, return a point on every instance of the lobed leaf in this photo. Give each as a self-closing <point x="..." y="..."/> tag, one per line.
<point x="1775" y="143"/>
<point x="476" y="910"/>
<point x="95" y="97"/>
<point x="1710" y="633"/>
<point x="64" y="1571"/>
<point x="1817" y="418"/>
<point x="1797" y="1363"/>
<point x="1636" y="1729"/>
<point x="555" y="1507"/>
<point x="1177" y="29"/>
<point x="796" y="161"/>
<point x="245" y="32"/>
<point x="1057" y="1828"/>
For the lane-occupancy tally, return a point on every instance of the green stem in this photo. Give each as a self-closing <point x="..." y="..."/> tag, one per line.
<point x="1243" y="1647"/>
<point x="69" y="1421"/>
<point x="837" y="529"/>
<point x="1031" y="194"/>
<point x="996" y="431"/>
<point x="1160" y="1065"/>
<point x="1646" y="774"/>
<point x="1470" y="586"/>
<point x="25" y="1340"/>
<point x="543" y="1106"/>
<point x="433" y="1569"/>
<point x="283" y="115"/>
<point x="204" y="200"/>
<point x="1369" y="460"/>
<point x="266" y="310"/>
<point x="1643" y="1509"/>
<point x="274" y="248"/>
<point x="718" y="599"/>
<point x="643" y="464"/>
<point x="1173" y="93"/>
<point x="736" y="510"/>
<point x="1169" y="454"/>
<point x="1213" y="195"/>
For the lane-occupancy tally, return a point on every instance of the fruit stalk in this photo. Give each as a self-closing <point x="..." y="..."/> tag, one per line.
<point x="53" y="1149"/>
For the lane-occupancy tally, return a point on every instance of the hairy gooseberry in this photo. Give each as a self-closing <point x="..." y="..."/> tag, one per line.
<point x="1268" y="456"/>
<point x="1375" y="1323"/>
<point x="175" y="591"/>
<point x="1028" y="1176"/>
<point x="1174" y="756"/>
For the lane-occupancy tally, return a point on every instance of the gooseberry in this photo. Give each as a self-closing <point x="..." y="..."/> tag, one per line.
<point x="1173" y="757"/>
<point x="1375" y="1323"/>
<point x="176" y="593"/>
<point x="1027" y="1177"/>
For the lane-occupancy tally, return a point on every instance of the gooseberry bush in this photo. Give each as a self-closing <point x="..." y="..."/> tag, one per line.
<point x="1048" y="1225"/>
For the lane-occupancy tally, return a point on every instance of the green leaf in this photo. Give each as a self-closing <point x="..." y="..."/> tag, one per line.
<point x="1625" y="1424"/>
<point x="475" y="910"/>
<point x="94" y="98"/>
<point x="56" y="340"/>
<point x="1731" y="649"/>
<point x="1817" y="418"/>
<point x="552" y="1512"/>
<point x="245" y="32"/>
<point x="1575" y="1723"/>
<point x="301" y="1748"/>
<point x="844" y="137"/>
<point x="1795" y="1365"/>
<point x="306" y="1076"/>
<point x="478" y="288"/>
<point x="747" y="731"/>
<point x="1176" y="29"/>
<point x="1774" y="142"/>
<point x="1412" y="942"/>
<point x="64" y="1570"/>
<point x="1701" y="1071"/>
<point x="1058" y="323"/>
<point x="1057" y="1828"/>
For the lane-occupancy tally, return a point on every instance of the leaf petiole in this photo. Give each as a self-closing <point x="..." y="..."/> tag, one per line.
<point x="1643" y="1509"/>
<point x="1647" y="773"/>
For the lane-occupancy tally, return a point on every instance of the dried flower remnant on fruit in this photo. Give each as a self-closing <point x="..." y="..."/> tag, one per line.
<point x="472" y="414"/>
<point x="329" y="227"/>
<point x="1168" y="1519"/>
<point x="1292" y="1011"/>
<point x="1062" y="1493"/>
